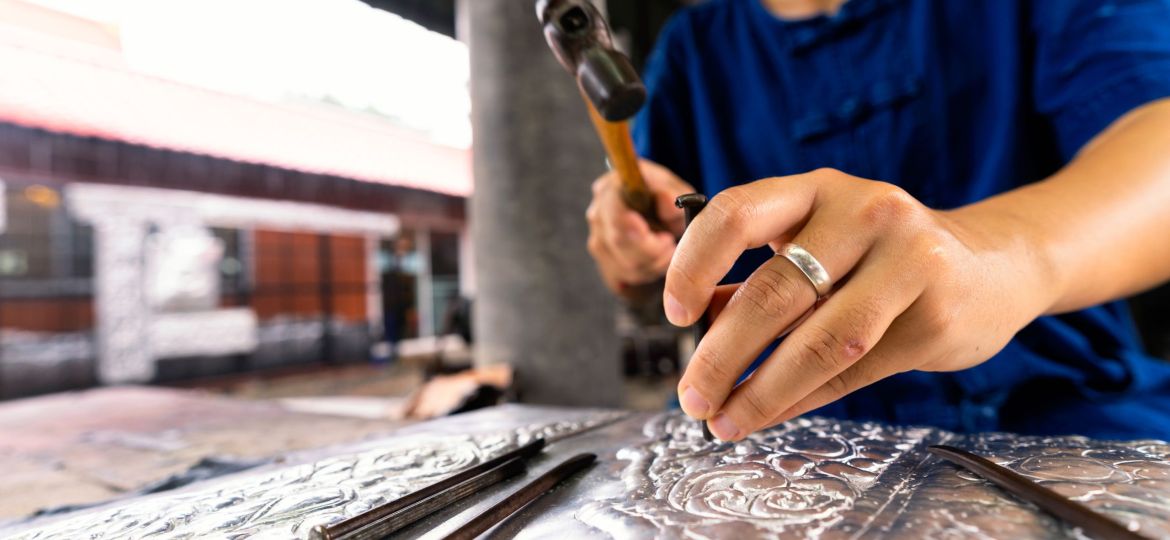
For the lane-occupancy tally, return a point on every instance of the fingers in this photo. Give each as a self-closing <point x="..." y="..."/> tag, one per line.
<point x="772" y="299"/>
<point x="626" y="250"/>
<point x="605" y="264"/>
<point x="834" y="339"/>
<point x="736" y="337"/>
<point x="638" y="250"/>
<point x="617" y="275"/>
<point x="895" y="353"/>
<point x="737" y="219"/>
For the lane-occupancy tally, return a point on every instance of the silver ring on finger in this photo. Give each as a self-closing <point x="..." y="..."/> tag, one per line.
<point x="809" y="266"/>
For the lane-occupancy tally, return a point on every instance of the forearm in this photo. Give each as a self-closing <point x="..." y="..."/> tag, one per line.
<point x="1099" y="229"/>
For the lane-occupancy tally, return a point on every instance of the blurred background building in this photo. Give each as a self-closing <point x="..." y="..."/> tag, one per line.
<point x="181" y="197"/>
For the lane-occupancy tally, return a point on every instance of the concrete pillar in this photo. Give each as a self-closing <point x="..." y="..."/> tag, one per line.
<point x="540" y="305"/>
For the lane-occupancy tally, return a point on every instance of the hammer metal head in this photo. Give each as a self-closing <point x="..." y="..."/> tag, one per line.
<point x="580" y="39"/>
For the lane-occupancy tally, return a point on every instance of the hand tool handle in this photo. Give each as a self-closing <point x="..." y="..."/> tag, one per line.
<point x="619" y="147"/>
<point x="615" y="136"/>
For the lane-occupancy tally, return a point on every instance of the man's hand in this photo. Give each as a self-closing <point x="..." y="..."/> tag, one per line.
<point x="914" y="288"/>
<point x="626" y="250"/>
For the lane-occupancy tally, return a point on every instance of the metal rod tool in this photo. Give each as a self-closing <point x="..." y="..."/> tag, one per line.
<point x="692" y="204"/>
<point x="1079" y="515"/>
<point x="394" y="515"/>
<point x="522" y="497"/>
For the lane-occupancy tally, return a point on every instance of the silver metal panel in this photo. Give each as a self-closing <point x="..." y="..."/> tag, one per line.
<point x="817" y="478"/>
<point x="657" y="478"/>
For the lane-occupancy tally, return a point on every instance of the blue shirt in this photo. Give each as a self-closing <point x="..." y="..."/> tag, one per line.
<point x="954" y="101"/>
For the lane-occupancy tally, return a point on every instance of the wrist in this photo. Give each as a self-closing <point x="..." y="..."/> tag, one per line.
<point x="1018" y="252"/>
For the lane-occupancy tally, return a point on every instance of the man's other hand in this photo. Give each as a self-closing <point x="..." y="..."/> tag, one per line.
<point x="626" y="250"/>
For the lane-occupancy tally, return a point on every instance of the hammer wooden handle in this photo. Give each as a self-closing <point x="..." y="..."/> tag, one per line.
<point x="615" y="136"/>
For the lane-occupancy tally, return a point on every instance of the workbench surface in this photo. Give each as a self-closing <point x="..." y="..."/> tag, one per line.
<point x="657" y="477"/>
<point x="78" y="448"/>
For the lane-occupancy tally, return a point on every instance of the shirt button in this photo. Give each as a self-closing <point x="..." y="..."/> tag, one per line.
<point x="804" y="38"/>
<point x="849" y="108"/>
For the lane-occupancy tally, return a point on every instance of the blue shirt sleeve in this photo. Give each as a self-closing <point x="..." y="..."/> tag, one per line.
<point x="664" y="129"/>
<point x="1097" y="60"/>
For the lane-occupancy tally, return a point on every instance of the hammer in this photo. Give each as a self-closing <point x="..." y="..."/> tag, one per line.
<point x="613" y="92"/>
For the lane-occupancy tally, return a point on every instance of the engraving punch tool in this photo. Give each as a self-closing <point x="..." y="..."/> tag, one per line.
<point x="692" y="204"/>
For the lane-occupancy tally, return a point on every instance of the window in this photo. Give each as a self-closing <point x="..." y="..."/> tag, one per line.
<point x="233" y="277"/>
<point x="40" y="241"/>
<point x="444" y="278"/>
<point x="46" y="263"/>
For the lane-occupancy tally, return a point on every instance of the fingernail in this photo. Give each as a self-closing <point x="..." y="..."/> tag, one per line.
<point x="674" y="310"/>
<point x="723" y="428"/>
<point x="693" y="403"/>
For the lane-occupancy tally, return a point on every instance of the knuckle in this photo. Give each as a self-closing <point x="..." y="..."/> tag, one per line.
<point x="770" y="291"/>
<point x="837" y="384"/>
<point x="857" y="376"/>
<point x="827" y="173"/>
<point x="828" y="176"/>
<point x="823" y="351"/>
<point x="711" y="369"/>
<point x="735" y="210"/>
<point x="627" y="269"/>
<point x="888" y="204"/>
<point x="594" y="245"/>
<point x="599" y="184"/>
<point x="756" y="406"/>
<point x="862" y="374"/>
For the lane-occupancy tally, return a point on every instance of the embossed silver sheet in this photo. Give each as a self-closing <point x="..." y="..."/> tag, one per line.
<point x="658" y="478"/>
<point x="816" y="478"/>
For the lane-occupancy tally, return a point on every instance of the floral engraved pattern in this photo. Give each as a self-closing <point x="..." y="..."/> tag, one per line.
<point x="799" y="479"/>
<point x="820" y="478"/>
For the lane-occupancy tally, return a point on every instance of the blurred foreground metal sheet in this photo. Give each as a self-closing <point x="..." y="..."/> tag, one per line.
<point x="658" y="478"/>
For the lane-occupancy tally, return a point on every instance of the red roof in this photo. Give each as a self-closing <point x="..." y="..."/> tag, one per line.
<point x="81" y="89"/>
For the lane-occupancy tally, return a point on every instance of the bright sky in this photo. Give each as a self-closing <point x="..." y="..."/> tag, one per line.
<point x="363" y="57"/>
